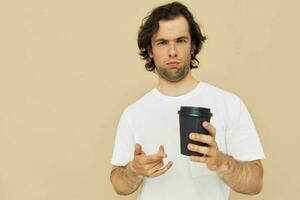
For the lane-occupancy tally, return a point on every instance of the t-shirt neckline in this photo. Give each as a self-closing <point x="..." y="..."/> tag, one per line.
<point x="185" y="96"/>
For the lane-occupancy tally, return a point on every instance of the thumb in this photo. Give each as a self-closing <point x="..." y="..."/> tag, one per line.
<point x="138" y="149"/>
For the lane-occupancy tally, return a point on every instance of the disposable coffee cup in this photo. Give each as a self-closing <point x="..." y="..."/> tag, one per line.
<point x="190" y="120"/>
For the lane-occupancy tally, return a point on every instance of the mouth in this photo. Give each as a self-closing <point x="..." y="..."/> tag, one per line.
<point x="173" y="64"/>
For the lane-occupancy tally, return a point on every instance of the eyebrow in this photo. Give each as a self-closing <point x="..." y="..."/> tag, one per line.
<point x="162" y="39"/>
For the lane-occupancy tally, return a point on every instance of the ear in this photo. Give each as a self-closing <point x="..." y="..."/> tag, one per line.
<point x="149" y="50"/>
<point x="192" y="49"/>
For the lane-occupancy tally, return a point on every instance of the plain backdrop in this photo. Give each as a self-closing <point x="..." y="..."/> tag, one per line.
<point x="69" y="68"/>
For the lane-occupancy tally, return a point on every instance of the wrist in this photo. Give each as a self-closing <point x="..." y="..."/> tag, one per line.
<point x="225" y="164"/>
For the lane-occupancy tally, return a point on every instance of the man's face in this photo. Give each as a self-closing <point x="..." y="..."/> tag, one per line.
<point x="171" y="49"/>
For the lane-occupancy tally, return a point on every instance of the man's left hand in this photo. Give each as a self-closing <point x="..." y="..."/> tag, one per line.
<point x="213" y="158"/>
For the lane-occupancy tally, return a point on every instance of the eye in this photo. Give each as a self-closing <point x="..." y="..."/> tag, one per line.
<point x="182" y="41"/>
<point x="162" y="43"/>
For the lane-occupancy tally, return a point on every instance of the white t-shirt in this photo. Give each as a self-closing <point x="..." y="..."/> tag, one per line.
<point x="153" y="121"/>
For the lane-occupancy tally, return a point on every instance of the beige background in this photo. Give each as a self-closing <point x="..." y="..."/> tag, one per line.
<point x="68" y="69"/>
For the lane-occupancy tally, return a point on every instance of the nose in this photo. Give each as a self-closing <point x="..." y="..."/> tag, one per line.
<point x="172" y="50"/>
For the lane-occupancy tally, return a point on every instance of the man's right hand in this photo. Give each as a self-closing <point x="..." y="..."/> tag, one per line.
<point x="148" y="166"/>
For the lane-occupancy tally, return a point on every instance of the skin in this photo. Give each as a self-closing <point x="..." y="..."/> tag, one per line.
<point x="242" y="177"/>
<point x="127" y="180"/>
<point x="173" y="42"/>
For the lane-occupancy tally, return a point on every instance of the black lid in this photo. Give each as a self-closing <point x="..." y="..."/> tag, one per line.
<point x="194" y="111"/>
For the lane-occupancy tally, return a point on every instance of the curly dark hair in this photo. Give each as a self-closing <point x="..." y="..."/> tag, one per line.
<point x="150" y="26"/>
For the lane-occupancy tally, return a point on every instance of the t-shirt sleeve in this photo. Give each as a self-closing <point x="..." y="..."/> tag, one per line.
<point x="124" y="142"/>
<point x="242" y="140"/>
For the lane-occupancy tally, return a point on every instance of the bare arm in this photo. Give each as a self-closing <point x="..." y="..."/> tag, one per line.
<point x="124" y="180"/>
<point x="127" y="179"/>
<point x="242" y="177"/>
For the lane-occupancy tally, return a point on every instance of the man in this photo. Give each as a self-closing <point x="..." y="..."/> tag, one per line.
<point x="148" y="131"/>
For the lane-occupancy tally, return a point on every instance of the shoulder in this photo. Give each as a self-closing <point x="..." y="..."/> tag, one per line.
<point x="140" y="104"/>
<point x="221" y="94"/>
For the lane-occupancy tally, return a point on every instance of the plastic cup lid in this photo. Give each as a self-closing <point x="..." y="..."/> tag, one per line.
<point x="194" y="111"/>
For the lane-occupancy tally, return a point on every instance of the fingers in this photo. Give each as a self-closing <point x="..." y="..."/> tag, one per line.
<point x="137" y="149"/>
<point x="207" y="139"/>
<point x="163" y="170"/>
<point x="210" y="128"/>
<point x="161" y="151"/>
<point x="156" y="157"/>
<point x="156" y="167"/>
<point x="150" y="165"/>
<point x="201" y="159"/>
<point x="153" y="158"/>
<point x="208" y="151"/>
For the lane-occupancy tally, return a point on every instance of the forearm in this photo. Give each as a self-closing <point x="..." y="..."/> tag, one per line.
<point x="124" y="180"/>
<point x="242" y="177"/>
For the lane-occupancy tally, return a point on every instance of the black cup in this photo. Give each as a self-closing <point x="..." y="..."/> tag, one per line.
<point x="190" y="120"/>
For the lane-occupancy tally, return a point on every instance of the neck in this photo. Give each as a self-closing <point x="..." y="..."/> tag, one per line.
<point x="177" y="88"/>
